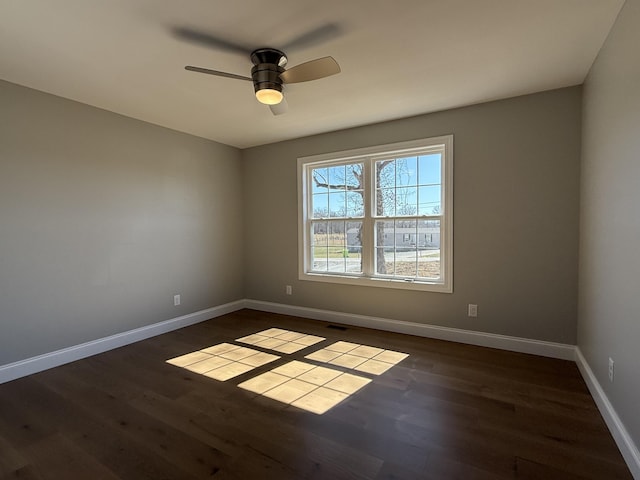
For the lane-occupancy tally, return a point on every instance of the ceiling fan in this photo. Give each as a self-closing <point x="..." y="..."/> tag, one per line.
<point x="268" y="73"/>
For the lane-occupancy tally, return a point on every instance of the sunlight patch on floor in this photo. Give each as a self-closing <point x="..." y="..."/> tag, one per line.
<point x="304" y="385"/>
<point x="363" y="358"/>
<point x="283" y="341"/>
<point x="223" y="361"/>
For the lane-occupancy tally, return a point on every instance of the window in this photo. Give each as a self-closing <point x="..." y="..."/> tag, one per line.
<point x="380" y="216"/>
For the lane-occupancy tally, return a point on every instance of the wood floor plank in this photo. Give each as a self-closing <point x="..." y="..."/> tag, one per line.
<point x="24" y="473"/>
<point x="19" y="423"/>
<point x="184" y="451"/>
<point x="192" y="422"/>
<point x="90" y="429"/>
<point x="447" y="411"/>
<point x="336" y="451"/>
<point x="548" y="451"/>
<point x="440" y="466"/>
<point x="58" y="457"/>
<point x="10" y="460"/>
<point x="528" y="470"/>
<point x="395" y="471"/>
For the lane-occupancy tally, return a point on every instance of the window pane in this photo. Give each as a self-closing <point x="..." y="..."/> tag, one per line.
<point x="336" y="264"/>
<point x="354" y="234"/>
<point x="320" y="180"/>
<point x="355" y="203"/>
<point x="354" y="177"/>
<point x="343" y="251"/>
<point x="429" y="265"/>
<point x="406" y="263"/>
<point x="337" y="205"/>
<point x="429" y="200"/>
<point x="354" y="260"/>
<point x="386" y="202"/>
<point x="384" y="262"/>
<point x="406" y="201"/>
<point x="408" y="248"/>
<point x="319" y="228"/>
<point x="319" y="248"/>
<point x="337" y="177"/>
<point x="320" y="205"/>
<point x="385" y="230"/>
<point x="337" y="246"/>
<point x="320" y="259"/>
<point x="406" y="171"/>
<point x="384" y="241"/>
<point x="429" y="169"/>
<point x="385" y="174"/>
<point x="354" y="247"/>
<point x="336" y="234"/>
<point x="405" y="248"/>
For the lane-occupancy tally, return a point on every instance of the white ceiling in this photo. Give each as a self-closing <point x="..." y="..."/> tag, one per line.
<point x="398" y="57"/>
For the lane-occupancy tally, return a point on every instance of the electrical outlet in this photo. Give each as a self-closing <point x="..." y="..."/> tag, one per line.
<point x="176" y="300"/>
<point x="473" y="310"/>
<point x="289" y="290"/>
<point x="611" y="364"/>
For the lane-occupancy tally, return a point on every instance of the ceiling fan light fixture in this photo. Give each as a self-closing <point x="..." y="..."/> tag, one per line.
<point x="269" y="96"/>
<point x="268" y="73"/>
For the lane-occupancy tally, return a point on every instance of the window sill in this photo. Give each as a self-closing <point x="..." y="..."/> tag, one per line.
<point x="362" y="281"/>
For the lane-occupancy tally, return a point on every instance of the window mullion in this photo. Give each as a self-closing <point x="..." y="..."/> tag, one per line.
<point x="368" y="249"/>
<point x="308" y="224"/>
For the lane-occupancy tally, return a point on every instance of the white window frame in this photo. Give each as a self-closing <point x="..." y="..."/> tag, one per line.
<point x="369" y="154"/>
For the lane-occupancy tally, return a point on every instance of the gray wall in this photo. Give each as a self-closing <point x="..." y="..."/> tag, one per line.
<point x="103" y="219"/>
<point x="609" y="313"/>
<point x="516" y="177"/>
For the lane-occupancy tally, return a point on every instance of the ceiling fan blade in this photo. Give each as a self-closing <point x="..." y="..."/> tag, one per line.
<point x="209" y="40"/>
<point x="312" y="70"/>
<point x="314" y="37"/>
<point x="216" y="72"/>
<point x="280" y="108"/>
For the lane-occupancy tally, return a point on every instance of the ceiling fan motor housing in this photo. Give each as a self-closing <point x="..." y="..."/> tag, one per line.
<point x="268" y="65"/>
<point x="267" y="75"/>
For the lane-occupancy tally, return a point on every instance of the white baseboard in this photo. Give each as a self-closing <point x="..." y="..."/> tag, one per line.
<point x="503" y="342"/>
<point x="624" y="441"/>
<point x="45" y="361"/>
<point x="37" y="364"/>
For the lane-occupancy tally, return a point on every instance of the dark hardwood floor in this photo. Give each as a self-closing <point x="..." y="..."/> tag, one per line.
<point x="448" y="411"/>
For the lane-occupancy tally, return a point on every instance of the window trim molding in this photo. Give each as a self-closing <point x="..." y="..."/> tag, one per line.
<point x="446" y="285"/>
